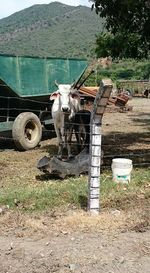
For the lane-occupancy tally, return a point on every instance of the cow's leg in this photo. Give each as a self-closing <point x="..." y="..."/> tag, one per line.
<point x="78" y="137"/>
<point x="69" y="138"/>
<point x="60" y="142"/>
<point x="60" y="150"/>
<point x="78" y="128"/>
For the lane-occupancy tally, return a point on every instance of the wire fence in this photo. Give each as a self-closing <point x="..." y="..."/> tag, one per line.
<point x="125" y="134"/>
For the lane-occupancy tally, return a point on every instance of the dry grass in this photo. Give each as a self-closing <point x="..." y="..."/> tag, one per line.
<point x="111" y="220"/>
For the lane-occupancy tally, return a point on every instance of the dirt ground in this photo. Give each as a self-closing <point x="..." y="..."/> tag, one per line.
<point x="77" y="252"/>
<point x="115" y="241"/>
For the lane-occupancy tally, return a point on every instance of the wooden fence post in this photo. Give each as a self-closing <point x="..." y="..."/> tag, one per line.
<point x="95" y="145"/>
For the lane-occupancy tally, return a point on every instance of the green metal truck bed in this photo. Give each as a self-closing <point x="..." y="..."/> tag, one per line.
<point x="34" y="76"/>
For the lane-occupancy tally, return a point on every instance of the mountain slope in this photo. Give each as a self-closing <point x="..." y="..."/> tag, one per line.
<point x="53" y="29"/>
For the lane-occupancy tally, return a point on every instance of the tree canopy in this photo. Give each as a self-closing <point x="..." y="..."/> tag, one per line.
<point x="128" y="21"/>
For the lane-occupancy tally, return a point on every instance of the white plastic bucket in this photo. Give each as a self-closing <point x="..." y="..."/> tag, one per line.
<point x="121" y="169"/>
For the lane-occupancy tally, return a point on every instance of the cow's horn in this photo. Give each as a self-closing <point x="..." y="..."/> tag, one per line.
<point x="73" y="84"/>
<point x="56" y="83"/>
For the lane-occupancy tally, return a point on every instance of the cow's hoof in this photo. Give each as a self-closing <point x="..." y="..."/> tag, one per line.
<point x="70" y="156"/>
<point x="59" y="157"/>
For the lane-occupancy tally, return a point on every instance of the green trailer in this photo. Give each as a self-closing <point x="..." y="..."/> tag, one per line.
<point x="25" y="86"/>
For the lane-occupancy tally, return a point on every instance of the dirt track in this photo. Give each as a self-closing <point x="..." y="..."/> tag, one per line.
<point x="78" y="252"/>
<point x="111" y="243"/>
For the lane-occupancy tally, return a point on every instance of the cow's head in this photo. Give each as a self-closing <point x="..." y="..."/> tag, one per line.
<point x="65" y="96"/>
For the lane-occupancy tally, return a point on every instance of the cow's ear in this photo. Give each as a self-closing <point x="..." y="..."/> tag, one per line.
<point x="53" y="96"/>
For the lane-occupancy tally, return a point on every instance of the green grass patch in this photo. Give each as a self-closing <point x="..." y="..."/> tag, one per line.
<point x="74" y="192"/>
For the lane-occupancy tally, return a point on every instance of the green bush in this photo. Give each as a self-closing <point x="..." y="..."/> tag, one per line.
<point x="127" y="69"/>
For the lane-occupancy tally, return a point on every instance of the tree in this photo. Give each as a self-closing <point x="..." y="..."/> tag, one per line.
<point x="128" y="21"/>
<point x="120" y="45"/>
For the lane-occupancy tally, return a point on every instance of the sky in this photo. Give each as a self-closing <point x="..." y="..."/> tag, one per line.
<point x="9" y="7"/>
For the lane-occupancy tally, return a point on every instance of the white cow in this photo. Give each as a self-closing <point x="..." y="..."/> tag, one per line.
<point x="66" y="104"/>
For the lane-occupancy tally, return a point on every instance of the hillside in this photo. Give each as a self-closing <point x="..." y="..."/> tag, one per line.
<point x="53" y="29"/>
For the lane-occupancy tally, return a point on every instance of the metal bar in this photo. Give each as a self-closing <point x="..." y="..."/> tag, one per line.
<point x="6" y="126"/>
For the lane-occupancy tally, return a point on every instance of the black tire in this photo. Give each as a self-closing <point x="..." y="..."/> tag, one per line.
<point x="26" y="131"/>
